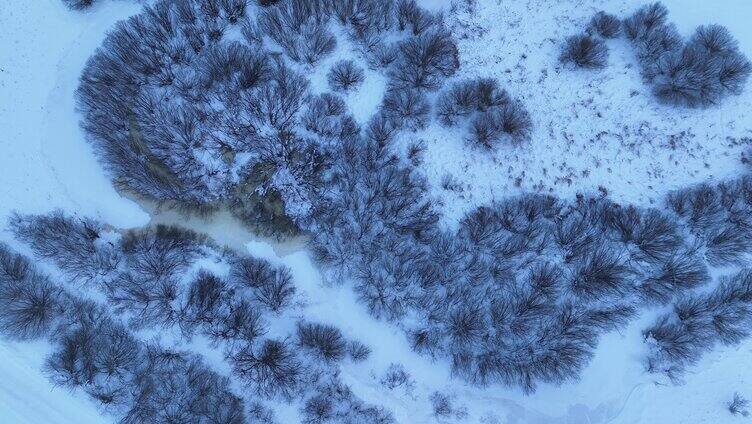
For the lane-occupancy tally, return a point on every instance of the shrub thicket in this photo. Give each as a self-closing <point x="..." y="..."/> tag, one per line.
<point x="698" y="72"/>
<point x="698" y="323"/>
<point x="78" y="4"/>
<point x="91" y="351"/>
<point x="492" y="115"/>
<point x="181" y="113"/>
<point x="159" y="282"/>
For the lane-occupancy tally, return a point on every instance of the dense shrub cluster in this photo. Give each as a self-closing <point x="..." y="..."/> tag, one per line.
<point x="155" y="278"/>
<point x="492" y="115"/>
<point x="717" y="219"/>
<point x="699" y="322"/>
<point x="78" y="246"/>
<point x="698" y="72"/>
<point x="181" y="112"/>
<point x="519" y="293"/>
<point x="139" y="382"/>
<point x="720" y="218"/>
<point x="192" y="102"/>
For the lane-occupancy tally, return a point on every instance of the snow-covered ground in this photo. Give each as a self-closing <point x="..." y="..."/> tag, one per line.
<point x="46" y="164"/>
<point x="595" y="132"/>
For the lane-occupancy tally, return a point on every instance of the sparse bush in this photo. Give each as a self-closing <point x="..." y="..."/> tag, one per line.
<point x="406" y="108"/>
<point x="345" y="75"/>
<point x="299" y="27"/>
<point x="272" y="287"/>
<point x="443" y="407"/>
<point x="319" y="409"/>
<point x="326" y="117"/>
<point x="673" y="276"/>
<point x="234" y="10"/>
<point x="714" y="39"/>
<point x="600" y="274"/>
<point x="513" y="120"/>
<point x="584" y="51"/>
<point x="468" y="97"/>
<point x="493" y="114"/>
<point x="219" y="311"/>
<point x="728" y="246"/>
<point x="381" y="130"/>
<point x="466" y="327"/>
<point x="645" y="20"/>
<point x="605" y="25"/>
<point x="178" y="386"/>
<point x="739" y="405"/>
<point x="409" y="14"/>
<point x="157" y="253"/>
<point x="510" y="120"/>
<point x="678" y="339"/>
<point x="396" y="376"/>
<point x="336" y="403"/>
<point x="146" y="301"/>
<point x="358" y="351"/>
<point x="322" y="340"/>
<point x="272" y="369"/>
<point x="95" y="354"/>
<point x="700" y="206"/>
<point x="78" y="4"/>
<point x="425" y="61"/>
<point x="457" y="103"/>
<point x="75" y="245"/>
<point x="656" y="236"/>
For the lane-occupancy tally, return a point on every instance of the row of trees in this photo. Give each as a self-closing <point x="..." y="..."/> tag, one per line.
<point x="152" y="278"/>
<point x="699" y="322"/>
<point x="137" y="381"/>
